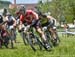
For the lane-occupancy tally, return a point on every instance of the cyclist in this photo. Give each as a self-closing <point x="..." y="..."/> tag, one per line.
<point x="51" y="24"/>
<point x="3" y="33"/>
<point x="11" y="25"/>
<point x="31" y="18"/>
<point x="1" y="21"/>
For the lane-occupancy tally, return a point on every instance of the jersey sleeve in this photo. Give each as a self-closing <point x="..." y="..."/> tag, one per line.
<point x="21" y="18"/>
<point x="35" y="14"/>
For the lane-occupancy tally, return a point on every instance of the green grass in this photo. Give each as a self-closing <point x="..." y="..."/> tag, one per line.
<point x="65" y="49"/>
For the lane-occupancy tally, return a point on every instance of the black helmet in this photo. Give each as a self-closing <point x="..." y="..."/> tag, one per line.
<point x="36" y="9"/>
<point x="4" y="11"/>
<point x="23" y="8"/>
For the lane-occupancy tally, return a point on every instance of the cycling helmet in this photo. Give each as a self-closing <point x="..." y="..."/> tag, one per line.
<point x="48" y="14"/>
<point x="23" y="8"/>
<point x="4" y="11"/>
<point x="36" y="9"/>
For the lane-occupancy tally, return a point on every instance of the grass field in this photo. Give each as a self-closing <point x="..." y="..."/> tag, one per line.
<point x="65" y="49"/>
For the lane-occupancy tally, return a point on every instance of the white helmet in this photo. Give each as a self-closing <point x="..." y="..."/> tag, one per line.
<point x="49" y="13"/>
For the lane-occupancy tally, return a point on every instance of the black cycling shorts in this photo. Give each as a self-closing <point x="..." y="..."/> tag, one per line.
<point x="37" y="24"/>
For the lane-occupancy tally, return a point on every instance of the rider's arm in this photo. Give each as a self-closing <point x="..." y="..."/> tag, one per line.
<point x="50" y="17"/>
<point x="21" y="19"/>
<point x="35" y="15"/>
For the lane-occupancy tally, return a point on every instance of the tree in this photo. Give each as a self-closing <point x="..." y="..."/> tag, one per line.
<point x="72" y="6"/>
<point x="60" y="8"/>
<point x="4" y="4"/>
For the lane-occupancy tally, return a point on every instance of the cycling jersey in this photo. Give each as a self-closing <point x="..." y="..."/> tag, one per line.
<point x="29" y="17"/>
<point x="51" y="21"/>
<point x="10" y="20"/>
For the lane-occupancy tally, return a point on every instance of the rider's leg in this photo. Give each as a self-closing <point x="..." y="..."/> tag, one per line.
<point x="53" y="34"/>
<point x="41" y="33"/>
<point x="46" y="44"/>
<point x="39" y="30"/>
